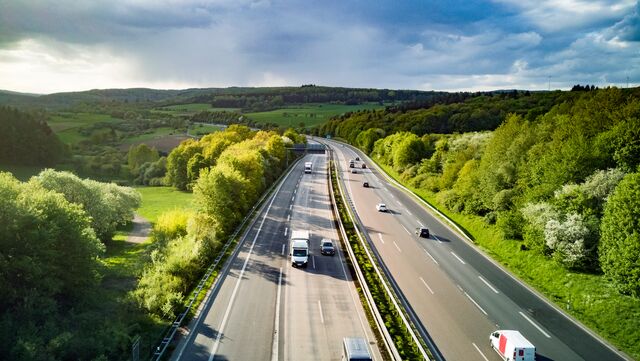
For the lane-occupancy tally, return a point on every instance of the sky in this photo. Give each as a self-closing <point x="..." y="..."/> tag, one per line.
<point x="49" y="46"/>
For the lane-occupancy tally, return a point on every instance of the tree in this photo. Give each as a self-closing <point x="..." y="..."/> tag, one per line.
<point x="139" y="155"/>
<point x="620" y="237"/>
<point x="108" y="204"/>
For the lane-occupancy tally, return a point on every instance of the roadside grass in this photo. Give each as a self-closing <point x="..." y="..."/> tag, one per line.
<point x="21" y="172"/>
<point x="589" y="298"/>
<point x="310" y="114"/>
<point x="157" y="200"/>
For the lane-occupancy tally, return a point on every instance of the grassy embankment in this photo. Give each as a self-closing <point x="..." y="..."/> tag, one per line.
<point x="589" y="298"/>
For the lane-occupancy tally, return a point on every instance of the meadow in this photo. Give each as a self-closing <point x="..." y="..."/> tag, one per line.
<point x="156" y="200"/>
<point x="310" y="115"/>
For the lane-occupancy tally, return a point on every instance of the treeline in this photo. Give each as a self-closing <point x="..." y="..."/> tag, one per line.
<point x="443" y="115"/>
<point x="50" y="240"/>
<point x="26" y="139"/>
<point x="228" y="172"/>
<point x="564" y="184"/>
<point x="263" y="99"/>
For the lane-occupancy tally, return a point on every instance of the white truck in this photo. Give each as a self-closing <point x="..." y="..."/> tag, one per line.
<point x="308" y="167"/>
<point x="512" y="346"/>
<point x="299" y="250"/>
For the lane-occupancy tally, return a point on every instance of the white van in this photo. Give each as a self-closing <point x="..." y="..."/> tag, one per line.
<point x="512" y="346"/>
<point x="299" y="248"/>
<point x="355" y="349"/>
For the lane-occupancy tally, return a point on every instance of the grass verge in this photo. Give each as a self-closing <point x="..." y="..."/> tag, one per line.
<point x="589" y="298"/>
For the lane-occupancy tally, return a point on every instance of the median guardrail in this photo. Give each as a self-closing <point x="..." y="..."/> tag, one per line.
<point x="389" y="343"/>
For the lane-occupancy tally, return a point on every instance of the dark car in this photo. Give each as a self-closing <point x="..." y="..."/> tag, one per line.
<point x="327" y="247"/>
<point x="364" y="166"/>
<point x="422" y="232"/>
<point x="365" y="184"/>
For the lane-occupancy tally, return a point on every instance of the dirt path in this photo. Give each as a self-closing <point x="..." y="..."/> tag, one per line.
<point x="140" y="231"/>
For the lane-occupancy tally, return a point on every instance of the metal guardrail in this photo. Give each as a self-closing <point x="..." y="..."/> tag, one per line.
<point x="374" y="262"/>
<point x="170" y="334"/>
<point x="388" y="341"/>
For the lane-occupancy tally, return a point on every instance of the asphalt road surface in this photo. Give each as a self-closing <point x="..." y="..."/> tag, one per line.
<point x="264" y="309"/>
<point x="458" y="294"/>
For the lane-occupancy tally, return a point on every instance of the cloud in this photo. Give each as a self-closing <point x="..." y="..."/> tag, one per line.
<point x="564" y="15"/>
<point x="197" y="43"/>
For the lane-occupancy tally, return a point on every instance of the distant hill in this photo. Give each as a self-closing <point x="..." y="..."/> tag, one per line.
<point x="245" y="98"/>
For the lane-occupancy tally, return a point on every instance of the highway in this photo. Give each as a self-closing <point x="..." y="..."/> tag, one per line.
<point x="459" y="295"/>
<point x="263" y="308"/>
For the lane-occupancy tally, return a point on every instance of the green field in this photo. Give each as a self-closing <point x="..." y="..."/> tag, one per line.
<point x="157" y="200"/>
<point x="185" y="109"/>
<point x="202" y="129"/>
<point x="152" y="134"/>
<point x="309" y="115"/>
<point x="66" y="125"/>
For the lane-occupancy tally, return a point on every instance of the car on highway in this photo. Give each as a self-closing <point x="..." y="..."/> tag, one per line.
<point x="327" y="247"/>
<point x="354" y="170"/>
<point x="364" y="166"/>
<point x="357" y="158"/>
<point x="381" y="207"/>
<point x="352" y="163"/>
<point x="422" y="232"/>
<point x="365" y="184"/>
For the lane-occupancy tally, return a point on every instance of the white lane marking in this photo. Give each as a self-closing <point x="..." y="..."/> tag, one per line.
<point x="283" y="249"/>
<point x="291" y="207"/>
<point x="395" y="244"/>
<point x="285" y="231"/>
<point x="429" y="254"/>
<point x="438" y="239"/>
<point x="225" y="318"/>
<point x="293" y="198"/>
<point x="380" y="236"/>
<point x="481" y="354"/>
<point x="294" y="191"/>
<point x="408" y="211"/>
<point x="405" y="228"/>
<point x="288" y="217"/>
<point x="320" y="308"/>
<point x="456" y="256"/>
<point x="534" y="324"/>
<point x="476" y="303"/>
<point x="276" y="326"/>
<point x="488" y="284"/>
<point x="426" y="285"/>
<point x="313" y="260"/>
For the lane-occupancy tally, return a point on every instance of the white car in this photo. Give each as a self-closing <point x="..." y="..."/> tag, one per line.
<point x="381" y="207"/>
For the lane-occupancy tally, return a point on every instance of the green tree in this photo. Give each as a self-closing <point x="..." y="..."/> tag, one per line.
<point x="620" y="239"/>
<point x="139" y="155"/>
